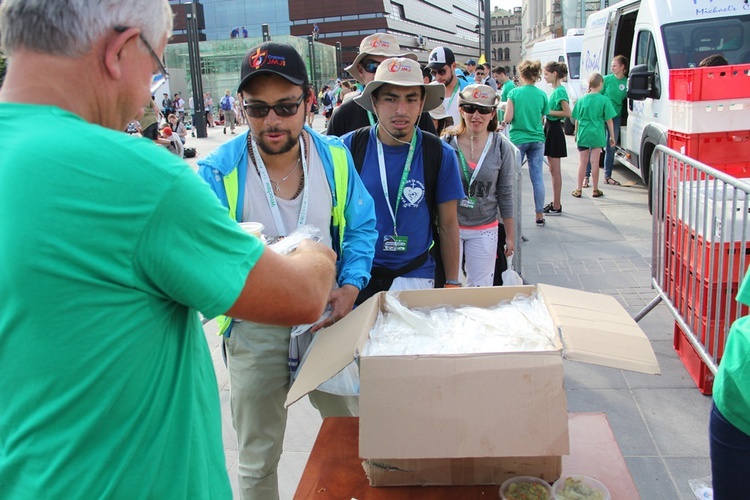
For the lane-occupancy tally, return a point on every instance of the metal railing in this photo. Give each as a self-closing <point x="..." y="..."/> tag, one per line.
<point x="700" y="250"/>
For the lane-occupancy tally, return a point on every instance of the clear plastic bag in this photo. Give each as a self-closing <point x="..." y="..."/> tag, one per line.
<point x="290" y="242"/>
<point x="510" y="276"/>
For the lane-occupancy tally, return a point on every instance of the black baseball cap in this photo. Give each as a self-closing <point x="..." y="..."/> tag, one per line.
<point x="439" y="57"/>
<point x="273" y="58"/>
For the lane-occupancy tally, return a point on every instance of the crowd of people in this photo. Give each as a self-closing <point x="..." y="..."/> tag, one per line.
<point x="107" y="270"/>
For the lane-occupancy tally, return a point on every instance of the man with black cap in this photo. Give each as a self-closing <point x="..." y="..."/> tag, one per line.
<point x="413" y="178"/>
<point x="373" y="50"/>
<point x="442" y="63"/>
<point x="284" y="175"/>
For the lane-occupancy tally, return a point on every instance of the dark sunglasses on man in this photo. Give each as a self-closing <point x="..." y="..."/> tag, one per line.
<point x="370" y="66"/>
<point x="442" y="71"/>
<point x="282" y="110"/>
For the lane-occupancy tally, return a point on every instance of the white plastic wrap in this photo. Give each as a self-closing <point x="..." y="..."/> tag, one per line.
<point x="290" y="242"/>
<point x="522" y="324"/>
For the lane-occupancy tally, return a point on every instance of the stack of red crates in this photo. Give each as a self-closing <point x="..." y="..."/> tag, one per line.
<point x="710" y="122"/>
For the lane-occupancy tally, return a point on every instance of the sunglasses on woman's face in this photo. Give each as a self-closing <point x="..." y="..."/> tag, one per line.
<point x="441" y="71"/>
<point x="470" y="109"/>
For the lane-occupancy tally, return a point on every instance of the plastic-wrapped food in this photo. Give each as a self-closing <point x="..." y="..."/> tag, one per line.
<point x="522" y="324"/>
<point x="527" y="491"/>
<point x="579" y="488"/>
<point x="291" y="241"/>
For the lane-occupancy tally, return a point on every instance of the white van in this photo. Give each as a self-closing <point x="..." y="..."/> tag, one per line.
<point x="656" y="36"/>
<point x="565" y="49"/>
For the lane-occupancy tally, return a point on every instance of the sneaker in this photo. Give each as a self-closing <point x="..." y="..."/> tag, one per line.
<point x="550" y="210"/>
<point x="540" y="222"/>
<point x="225" y="131"/>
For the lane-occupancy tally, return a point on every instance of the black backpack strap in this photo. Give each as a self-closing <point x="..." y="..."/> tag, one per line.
<point x="360" y="138"/>
<point x="432" y="158"/>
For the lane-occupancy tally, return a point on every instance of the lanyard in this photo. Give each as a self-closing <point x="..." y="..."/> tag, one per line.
<point x="465" y="167"/>
<point x="453" y="97"/>
<point x="404" y="176"/>
<point x="371" y="118"/>
<point x="268" y="188"/>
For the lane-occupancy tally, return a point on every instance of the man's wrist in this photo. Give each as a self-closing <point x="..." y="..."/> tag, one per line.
<point x="452" y="283"/>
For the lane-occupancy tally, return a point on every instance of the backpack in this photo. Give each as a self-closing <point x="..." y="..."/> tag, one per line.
<point x="225" y="104"/>
<point x="432" y="157"/>
<point x="189" y="153"/>
<point x="326" y="99"/>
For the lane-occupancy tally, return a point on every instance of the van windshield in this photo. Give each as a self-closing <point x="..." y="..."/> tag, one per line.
<point x="688" y="43"/>
<point x="574" y="65"/>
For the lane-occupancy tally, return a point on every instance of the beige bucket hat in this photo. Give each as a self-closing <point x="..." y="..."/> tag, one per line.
<point x="404" y="73"/>
<point x="479" y="95"/>
<point x="379" y="44"/>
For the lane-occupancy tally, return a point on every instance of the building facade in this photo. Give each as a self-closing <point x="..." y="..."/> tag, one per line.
<point x="546" y="19"/>
<point x="418" y="25"/>
<point x="223" y="16"/>
<point x="507" y="38"/>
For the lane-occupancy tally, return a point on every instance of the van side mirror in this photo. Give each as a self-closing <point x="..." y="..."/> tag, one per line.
<point x="643" y="83"/>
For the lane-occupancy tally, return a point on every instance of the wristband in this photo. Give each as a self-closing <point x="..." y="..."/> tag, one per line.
<point x="452" y="284"/>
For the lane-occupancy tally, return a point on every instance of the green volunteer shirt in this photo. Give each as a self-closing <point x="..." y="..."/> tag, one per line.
<point x="558" y="95"/>
<point x="507" y="87"/>
<point x="529" y="106"/>
<point x="732" y="384"/>
<point x="109" y="247"/>
<point x="616" y="89"/>
<point x="591" y="112"/>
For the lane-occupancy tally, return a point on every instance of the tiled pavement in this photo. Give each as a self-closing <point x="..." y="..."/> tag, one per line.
<point x="599" y="245"/>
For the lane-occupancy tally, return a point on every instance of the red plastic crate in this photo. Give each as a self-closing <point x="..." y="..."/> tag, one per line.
<point x="706" y="84"/>
<point x="716" y="148"/>
<point x="695" y="366"/>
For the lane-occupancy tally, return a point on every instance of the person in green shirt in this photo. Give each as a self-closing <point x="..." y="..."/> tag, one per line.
<point x="554" y="142"/>
<point x="616" y="89"/>
<point x="527" y="106"/>
<point x="592" y="112"/>
<point x="504" y="86"/>
<point x="729" y="424"/>
<point x="109" y="248"/>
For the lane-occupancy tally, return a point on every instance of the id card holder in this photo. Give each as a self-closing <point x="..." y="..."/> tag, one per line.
<point x="468" y="202"/>
<point x="392" y="243"/>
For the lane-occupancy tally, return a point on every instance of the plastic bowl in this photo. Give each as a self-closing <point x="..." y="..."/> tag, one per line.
<point x="588" y="488"/>
<point x="506" y="487"/>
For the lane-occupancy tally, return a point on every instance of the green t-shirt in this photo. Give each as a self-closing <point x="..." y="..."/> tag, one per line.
<point x="592" y="111"/>
<point x="558" y="95"/>
<point x="529" y="106"/>
<point x="507" y="87"/>
<point x="732" y="384"/>
<point x="109" y="246"/>
<point x="617" y="90"/>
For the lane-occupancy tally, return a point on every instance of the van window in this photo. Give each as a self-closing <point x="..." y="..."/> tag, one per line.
<point x="688" y="43"/>
<point x="646" y="51"/>
<point x="574" y="65"/>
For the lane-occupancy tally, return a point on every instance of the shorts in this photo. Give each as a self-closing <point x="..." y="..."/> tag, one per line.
<point x="585" y="148"/>
<point x="554" y="140"/>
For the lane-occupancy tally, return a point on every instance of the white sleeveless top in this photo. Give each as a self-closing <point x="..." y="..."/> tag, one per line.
<point x="256" y="207"/>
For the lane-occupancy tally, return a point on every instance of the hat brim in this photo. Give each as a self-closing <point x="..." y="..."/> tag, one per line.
<point x="352" y="68"/>
<point x="433" y="97"/>
<point x="246" y="80"/>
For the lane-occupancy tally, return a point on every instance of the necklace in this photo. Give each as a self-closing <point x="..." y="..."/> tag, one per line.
<point x="277" y="185"/>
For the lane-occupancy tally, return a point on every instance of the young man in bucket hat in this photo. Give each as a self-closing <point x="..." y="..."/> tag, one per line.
<point x="284" y="175"/>
<point x="373" y="50"/>
<point x="409" y="194"/>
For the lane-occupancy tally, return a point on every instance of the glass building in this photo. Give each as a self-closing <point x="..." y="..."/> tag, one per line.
<point x="221" y="60"/>
<point x="222" y="16"/>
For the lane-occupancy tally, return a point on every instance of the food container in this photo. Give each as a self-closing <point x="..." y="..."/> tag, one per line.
<point x="579" y="488"/>
<point x="525" y="488"/>
<point x="254" y="228"/>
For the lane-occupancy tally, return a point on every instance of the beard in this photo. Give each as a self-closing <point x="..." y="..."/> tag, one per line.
<point x="279" y="149"/>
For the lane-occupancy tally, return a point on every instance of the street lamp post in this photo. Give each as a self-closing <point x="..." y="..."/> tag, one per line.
<point x="196" y="80"/>
<point x="311" y="49"/>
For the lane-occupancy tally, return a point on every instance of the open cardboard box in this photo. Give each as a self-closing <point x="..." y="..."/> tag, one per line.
<point x="459" y="415"/>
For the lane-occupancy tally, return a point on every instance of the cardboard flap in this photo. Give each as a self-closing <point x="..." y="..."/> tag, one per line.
<point x="596" y="329"/>
<point x="335" y="348"/>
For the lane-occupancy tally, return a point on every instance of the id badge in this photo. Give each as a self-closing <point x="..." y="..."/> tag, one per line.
<point x="393" y="243"/>
<point x="468" y="202"/>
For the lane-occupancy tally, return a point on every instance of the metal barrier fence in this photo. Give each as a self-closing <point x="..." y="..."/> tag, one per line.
<point x="700" y="255"/>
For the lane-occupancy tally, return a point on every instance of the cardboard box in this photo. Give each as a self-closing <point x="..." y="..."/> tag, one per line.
<point x="473" y="406"/>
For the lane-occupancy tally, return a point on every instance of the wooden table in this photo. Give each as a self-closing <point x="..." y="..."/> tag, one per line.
<point x="334" y="470"/>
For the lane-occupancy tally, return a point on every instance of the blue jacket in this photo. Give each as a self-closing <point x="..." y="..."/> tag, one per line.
<point x="352" y="226"/>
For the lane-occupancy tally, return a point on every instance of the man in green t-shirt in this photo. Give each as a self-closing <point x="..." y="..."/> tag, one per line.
<point x="109" y="247"/>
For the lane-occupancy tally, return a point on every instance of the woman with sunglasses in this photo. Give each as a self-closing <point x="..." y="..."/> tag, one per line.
<point x="525" y="111"/>
<point x="487" y="162"/>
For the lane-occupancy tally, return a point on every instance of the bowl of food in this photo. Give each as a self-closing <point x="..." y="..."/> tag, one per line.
<point x="525" y="488"/>
<point x="579" y="488"/>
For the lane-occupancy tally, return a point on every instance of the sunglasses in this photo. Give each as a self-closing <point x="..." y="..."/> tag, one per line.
<point x="283" y="110"/>
<point x="470" y="109"/>
<point x="370" y="66"/>
<point x="441" y="71"/>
